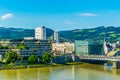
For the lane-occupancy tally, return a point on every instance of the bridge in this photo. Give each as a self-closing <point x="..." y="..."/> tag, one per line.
<point x="114" y="60"/>
<point x="99" y="57"/>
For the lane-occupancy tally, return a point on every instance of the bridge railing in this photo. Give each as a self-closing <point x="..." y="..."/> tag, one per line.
<point x="99" y="57"/>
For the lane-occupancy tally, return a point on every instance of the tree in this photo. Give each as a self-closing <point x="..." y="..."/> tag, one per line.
<point x="21" y="47"/>
<point x="10" y="57"/>
<point x="32" y="59"/>
<point x="46" y="58"/>
<point x="21" y="61"/>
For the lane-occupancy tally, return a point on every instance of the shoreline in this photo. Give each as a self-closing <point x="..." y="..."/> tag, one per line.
<point x="9" y="67"/>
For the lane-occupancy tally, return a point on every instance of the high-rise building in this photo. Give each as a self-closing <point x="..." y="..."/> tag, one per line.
<point x="56" y="36"/>
<point x="40" y="33"/>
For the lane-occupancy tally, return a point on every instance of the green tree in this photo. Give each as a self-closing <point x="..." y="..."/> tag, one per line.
<point x="10" y="57"/>
<point x="46" y="58"/>
<point x="21" y="61"/>
<point x="32" y="59"/>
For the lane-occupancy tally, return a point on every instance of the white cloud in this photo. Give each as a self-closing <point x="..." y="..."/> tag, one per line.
<point x="87" y="14"/>
<point x="69" y="22"/>
<point x="6" y="16"/>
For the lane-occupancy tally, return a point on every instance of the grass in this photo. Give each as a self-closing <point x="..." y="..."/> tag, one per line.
<point x="7" y="67"/>
<point x="73" y="63"/>
<point x="79" y="30"/>
<point x="10" y="67"/>
<point x="91" y="30"/>
<point x="44" y="65"/>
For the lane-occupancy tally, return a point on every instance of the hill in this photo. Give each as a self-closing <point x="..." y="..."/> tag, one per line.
<point x="20" y="33"/>
<point x="99" y="33"/>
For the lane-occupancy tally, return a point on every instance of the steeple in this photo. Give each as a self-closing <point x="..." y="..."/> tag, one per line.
<point x="105" y="47"/>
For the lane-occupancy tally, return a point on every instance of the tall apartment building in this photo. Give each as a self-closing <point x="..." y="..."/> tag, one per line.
<point x="56" y="36"/>
<point x="40" y="33"/>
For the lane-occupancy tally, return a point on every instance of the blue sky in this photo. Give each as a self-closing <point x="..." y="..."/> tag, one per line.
<point x="59" y="14"/>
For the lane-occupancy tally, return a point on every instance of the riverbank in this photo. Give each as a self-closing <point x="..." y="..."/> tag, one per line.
<point x="12" y="67"/>
<point x="70" y="72"/>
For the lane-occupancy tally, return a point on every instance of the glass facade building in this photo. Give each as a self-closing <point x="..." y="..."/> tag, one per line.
<point x="89" y="47"/>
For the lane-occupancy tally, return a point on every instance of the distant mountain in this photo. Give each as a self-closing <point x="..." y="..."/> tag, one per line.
<point x="20" y="33"/>
<point x="99" y="33"/>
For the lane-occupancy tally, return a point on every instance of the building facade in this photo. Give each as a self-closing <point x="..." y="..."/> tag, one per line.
<point x="81" y="47"/>
<point x="89" y="47"/>
<point x="56" y="36"/>
<point x="25" y="48"/>
<point x="40" y="33"/>
<point x="62" y="48"/>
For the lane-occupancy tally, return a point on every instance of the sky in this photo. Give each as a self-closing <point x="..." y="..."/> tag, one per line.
<point x="59" y="14"/>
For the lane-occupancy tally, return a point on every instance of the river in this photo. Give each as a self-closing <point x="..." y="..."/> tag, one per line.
<point x="76" y="72"/>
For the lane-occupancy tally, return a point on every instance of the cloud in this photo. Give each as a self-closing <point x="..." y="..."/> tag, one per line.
<point x="69" y="22"/>
<point x="87" y="14"/>
<point x="6" y="16"/>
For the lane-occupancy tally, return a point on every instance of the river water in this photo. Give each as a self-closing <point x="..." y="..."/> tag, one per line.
<point x="76" y="72"/>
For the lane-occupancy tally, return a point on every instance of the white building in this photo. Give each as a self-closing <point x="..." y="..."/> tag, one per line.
<point x="65" y="47"/>
<point x="29" y="38"/>
<point x="105" y="48"/>
<point x="56" y="36"/>
<point x="40" y="33"/>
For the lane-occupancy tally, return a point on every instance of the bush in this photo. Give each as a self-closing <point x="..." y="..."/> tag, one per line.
<point x="32" y="59"/>
<point x="10" y="57"/>
<point x="46" y="58"/>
